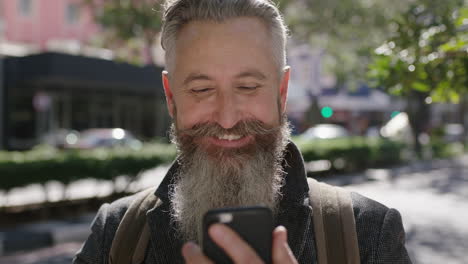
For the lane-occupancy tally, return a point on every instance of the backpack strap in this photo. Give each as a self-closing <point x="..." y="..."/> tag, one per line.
<point x="132" y="235"/>
<point x="334" y="224"/>
<point x="333" y="217"/>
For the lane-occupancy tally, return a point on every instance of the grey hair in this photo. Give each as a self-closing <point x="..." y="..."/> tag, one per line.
<point x="180" y="12"/>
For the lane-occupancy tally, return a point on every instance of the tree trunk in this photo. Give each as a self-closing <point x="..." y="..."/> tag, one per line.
<point x="464" y="116"/>
<point x="419" y="117"/>
<point x="313" y="116"/>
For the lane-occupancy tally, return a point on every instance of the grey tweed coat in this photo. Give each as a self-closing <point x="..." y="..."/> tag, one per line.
<point x="380" y="231"/>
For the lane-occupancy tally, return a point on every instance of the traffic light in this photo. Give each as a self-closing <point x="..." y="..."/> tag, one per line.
<point x="394" y="113"/>
<point x="327" y="112"/>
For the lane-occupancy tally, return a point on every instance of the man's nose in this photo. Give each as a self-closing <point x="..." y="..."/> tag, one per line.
<point x="227" y="111"/>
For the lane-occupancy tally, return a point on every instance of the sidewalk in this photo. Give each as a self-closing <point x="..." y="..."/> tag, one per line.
<point x="51" y="233"/>
<point x="432" y="198"/>
<point x="59" y="254"/>
<point x="44" y="234"/>
<point x="86" y="188"/>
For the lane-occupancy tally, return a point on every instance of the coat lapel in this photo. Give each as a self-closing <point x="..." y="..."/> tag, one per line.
<point x="295" y="211"/>
<point x="164" y="243"/>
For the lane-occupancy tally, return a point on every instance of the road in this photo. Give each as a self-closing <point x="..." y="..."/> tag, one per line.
<point x="432" y="198"/>
<point x="433" y="201"/>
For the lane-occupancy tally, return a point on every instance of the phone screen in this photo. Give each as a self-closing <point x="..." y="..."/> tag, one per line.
<point x="253" y="224"/>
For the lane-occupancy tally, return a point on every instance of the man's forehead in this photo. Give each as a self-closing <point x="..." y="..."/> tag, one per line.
<point x="235" y="48"/>
<point x="205" y="34"/>
<point x="242" y="24"/>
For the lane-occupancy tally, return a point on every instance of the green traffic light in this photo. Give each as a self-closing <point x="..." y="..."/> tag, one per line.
<point x="394" y="113"/>
<point x="327" y="112"/>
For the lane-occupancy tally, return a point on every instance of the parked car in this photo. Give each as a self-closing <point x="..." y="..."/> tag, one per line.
<point x="398" y="128"/>
<point x="60" y="138"/>
<point x="107" y="138"/>
<point x="325" y="131"/>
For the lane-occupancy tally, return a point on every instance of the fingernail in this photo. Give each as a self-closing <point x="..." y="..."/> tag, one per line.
<point x="192" y="248"/>
<point x="281" y="233"/>
<point x="281" y="228"/>
<point x="215" y="230"/>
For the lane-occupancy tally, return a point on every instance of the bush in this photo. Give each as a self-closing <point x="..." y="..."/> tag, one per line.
<point x="46" y="164"/>
<point x="355" y="153"/>
<point x="444" y="150"/>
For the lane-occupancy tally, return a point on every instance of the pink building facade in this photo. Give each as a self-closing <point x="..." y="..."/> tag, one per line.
<point x="40" y="24"/>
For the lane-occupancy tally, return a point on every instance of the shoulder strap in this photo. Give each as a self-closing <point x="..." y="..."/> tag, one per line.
<point x="334" y="224"/>
<point x="132" y="235"/>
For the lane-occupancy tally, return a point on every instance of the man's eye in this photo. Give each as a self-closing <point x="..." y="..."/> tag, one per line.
<point x="201" y="90"/>
<point x="248" y="88"/>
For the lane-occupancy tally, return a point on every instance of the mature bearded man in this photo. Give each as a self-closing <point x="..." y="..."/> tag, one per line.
<point x="226" y="86"/>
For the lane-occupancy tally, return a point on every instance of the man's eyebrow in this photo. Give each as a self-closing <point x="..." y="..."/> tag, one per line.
<point x="245" y="74"/>
<point x="252" y="73"/>
<point x="196" y="77"/>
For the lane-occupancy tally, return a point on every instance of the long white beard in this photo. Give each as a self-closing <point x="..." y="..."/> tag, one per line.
<point x="205" y="183"/>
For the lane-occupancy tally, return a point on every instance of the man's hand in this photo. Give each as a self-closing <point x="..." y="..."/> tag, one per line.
<point x="239" y="250"/>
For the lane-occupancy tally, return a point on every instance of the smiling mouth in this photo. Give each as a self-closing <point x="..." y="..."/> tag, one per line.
<point x="229" y="137"/>
<point x="230" y="140"/>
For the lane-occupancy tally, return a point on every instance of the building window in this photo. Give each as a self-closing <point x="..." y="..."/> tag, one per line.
<point x="25" y="7"/>
<point x="72" y="14"/>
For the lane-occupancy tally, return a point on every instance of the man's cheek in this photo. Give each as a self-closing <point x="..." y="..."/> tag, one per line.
<point x="189" y="117"/>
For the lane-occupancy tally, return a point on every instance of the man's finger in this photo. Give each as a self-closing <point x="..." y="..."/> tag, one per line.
<point x="193" y="254"/>
<point x="233" y="245"/>
<point x="281" y="251"/>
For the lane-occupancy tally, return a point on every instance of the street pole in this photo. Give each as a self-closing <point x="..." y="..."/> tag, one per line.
<point x="2" y="104"/>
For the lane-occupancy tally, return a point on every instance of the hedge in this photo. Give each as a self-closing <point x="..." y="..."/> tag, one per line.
<point x="46" y="164"/>
<point x="357" y="153"/>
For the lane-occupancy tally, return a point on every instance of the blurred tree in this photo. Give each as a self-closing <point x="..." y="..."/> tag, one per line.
<point x="346" y="30"/>
<point x="128" y="22"/>
<point x="426" y="59"/>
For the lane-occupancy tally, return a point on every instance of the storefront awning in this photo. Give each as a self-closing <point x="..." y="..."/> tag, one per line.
<point x="69" y="72"/>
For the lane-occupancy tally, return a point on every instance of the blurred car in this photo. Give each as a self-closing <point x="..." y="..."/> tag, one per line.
<point x="325" y="131"/>
<point x="453" y="132"/>
<point x="106" y="138"/>
<point x="398" y="128"/>
<point x="373" y="132"/>
<point x="60" y="138"/>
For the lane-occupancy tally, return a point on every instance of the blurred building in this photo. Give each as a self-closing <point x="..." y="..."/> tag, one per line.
<point x="49" y="91"/>
<point x="360" y="109"/>
<point x="310" y="90"/>
<point x="31" y="26"/>
<point x="42" y="89"/>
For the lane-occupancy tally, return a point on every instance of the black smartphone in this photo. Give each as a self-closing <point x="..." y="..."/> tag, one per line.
<point x="253" y="224"/>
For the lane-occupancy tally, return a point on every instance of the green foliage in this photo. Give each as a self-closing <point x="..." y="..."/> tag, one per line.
<point x="357" y="152"/>
<point x="345" y="30"/>
<point x="444" y="150"/>
<point x="46" y="164"/>
<point x="130" y="18"/>
<point x="128" y="22"/>
<point x="441" y="148"/>
<point x="427" y="53"/>
<point x="425" y="59"/>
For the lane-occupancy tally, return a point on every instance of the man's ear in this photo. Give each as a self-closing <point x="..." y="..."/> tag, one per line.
<point x="284" y="87"/>
<point x="168" y="92"/>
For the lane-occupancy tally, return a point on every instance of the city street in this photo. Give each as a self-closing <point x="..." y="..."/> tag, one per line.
<point x="433" y="201"/>
<point x="431" y="196"/>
